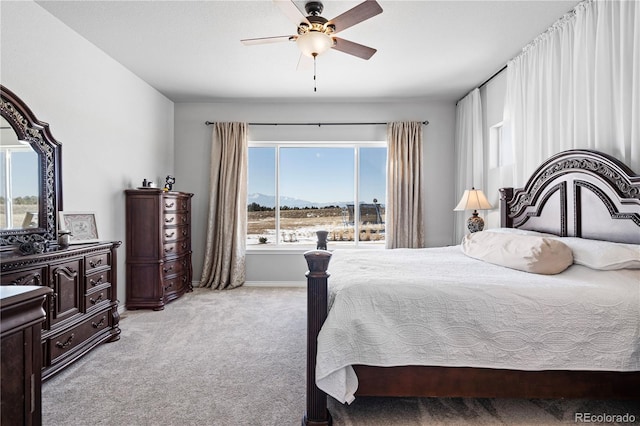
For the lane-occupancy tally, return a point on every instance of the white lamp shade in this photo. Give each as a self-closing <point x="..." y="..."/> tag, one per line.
<point x="314" y="43"/>
<point x="473" y="199"/>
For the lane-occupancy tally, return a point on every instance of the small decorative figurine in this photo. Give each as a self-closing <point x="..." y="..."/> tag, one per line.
<point x="170" y="181"/>
<point x="63" y="238"/>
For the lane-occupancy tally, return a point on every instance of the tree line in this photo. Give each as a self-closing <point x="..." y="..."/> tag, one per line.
<point x="27" y="200"/>
<point x="255" y="207"/>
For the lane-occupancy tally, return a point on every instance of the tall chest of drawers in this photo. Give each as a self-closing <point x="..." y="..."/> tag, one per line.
<point x="158" y="247"/>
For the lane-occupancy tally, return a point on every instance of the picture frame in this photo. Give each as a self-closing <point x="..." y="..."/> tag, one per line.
<point x="82" y="225"/>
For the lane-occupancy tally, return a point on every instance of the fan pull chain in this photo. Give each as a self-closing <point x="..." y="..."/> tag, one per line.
<point x="315" y="89"/>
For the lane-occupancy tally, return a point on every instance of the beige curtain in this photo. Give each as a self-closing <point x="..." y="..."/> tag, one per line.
<point x="224" y="262"/>
<point x="405" y="198"/>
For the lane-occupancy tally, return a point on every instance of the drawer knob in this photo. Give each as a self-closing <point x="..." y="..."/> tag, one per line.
<point x="169" y="235"/>
<point x="168" y="269"/>
<point x="67" y="343"/>
<point x="169" y="220"/>
<point x="96" y="282"/>
<point x="169" y="205"/>
<point x="96" y="263"/>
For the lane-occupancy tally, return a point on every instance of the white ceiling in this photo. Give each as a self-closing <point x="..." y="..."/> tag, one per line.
<point x="191" y="50"/>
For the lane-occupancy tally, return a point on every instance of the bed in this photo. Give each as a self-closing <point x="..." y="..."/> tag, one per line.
<point x="491" y="331"/>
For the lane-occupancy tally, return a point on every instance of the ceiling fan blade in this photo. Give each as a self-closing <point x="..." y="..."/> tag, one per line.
<point x="352" y="48"/>
<point x="359" y="13"/>
<point x="289" y="8"/>
<point x="304" y="63"/>
<point x="265" y="40"/>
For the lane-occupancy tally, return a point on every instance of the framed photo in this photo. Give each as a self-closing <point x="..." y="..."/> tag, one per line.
<point x="82" y="225"/>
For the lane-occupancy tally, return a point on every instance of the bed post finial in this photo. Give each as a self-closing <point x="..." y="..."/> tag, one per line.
<point x="506" y="194"/>
<point x="317" y="298"/>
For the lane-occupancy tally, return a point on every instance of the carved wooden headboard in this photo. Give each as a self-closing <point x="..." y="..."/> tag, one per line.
<point x="577" y="193"/>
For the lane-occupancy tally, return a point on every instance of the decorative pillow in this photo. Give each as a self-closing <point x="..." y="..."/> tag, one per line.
<point x="603" y="255"/>
<point x="539" y="255"/>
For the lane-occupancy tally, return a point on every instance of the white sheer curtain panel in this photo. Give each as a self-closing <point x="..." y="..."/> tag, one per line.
<point x="577" y="86"/>
<point x="469" y="154"/>
<point x="224" y="262"/>
<point x="405" y="198"/>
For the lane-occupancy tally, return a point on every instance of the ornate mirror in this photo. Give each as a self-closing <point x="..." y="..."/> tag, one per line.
<point x="30" y="175"/>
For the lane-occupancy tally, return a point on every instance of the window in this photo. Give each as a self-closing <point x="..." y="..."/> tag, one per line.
<point x="296" y="189"/>
<point x="18" y="186"/>
<point x="500" y="150"/>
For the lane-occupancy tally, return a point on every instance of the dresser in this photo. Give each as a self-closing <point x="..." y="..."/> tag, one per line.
<point x="158" y="247"/>
<point x="21" y="318"/>
<point x="82" y="309"/>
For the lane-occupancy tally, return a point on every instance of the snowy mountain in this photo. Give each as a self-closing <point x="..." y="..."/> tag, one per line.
<point x="270" y="201"/>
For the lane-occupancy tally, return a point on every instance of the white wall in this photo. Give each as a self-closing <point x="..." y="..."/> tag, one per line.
<point x="193" y="148"/>
<point x="114" y="128"/>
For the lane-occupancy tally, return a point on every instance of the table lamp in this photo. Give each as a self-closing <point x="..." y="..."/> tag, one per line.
<point x="474" y="199"/>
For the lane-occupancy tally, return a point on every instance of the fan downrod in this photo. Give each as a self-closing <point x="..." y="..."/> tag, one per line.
<point x="313" y="8"/>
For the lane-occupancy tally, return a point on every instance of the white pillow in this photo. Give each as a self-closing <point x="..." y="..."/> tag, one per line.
<point x="539" y="255"/>
<point x="516" y="231"/>
<point x="603" y="255"/>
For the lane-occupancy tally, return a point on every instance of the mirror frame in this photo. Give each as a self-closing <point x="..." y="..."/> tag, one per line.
<point x="37" y="133"/>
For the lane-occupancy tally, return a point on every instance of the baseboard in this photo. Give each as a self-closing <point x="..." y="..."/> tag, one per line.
<point x="275" y="283"/>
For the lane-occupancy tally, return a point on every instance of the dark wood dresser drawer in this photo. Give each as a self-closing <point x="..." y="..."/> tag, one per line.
<point x="175" y="284"/>
<point x="96" y="280"/>
<point x="178" y="233"/>
<point x="100" y="298"/>
<point x="97" y="261"/>
<point x="176" y="249"/>
<point x="175" y="219"/>
<point x="173" y="203"/>
<point x="174" y="267"/>
<point x="63" y="344"/>
<point x="35" y="276"/>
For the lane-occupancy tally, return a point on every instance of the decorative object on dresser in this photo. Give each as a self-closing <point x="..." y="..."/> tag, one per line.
<point x="475" y="200"/>
<point x="82" y="311"/>
<point x="81" y="227"/>
<point x="158" y="247"/>
<point x="21" y="317"/>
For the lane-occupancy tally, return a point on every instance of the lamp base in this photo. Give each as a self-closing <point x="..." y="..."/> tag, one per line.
<point x="475" y="223"/>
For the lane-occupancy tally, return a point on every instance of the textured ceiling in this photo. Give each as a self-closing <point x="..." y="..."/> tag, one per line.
<point x="191" y="50"/>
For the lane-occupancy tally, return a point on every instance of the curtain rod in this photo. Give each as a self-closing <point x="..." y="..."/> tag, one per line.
<point x="495" y="74"/>
<point x="570" y="12"/>
<point x="313" y="124"/>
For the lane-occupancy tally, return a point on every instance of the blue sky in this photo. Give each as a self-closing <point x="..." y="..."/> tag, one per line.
<point x="318" y="174"/>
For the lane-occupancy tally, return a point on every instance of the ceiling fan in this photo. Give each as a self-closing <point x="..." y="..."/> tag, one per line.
<point x="316" y="34"/>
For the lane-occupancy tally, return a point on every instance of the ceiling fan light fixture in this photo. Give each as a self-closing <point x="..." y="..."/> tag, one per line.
<point x="314" y="43"/>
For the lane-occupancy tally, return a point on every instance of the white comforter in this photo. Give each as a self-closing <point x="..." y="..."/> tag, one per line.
<point x="439" y="307"/>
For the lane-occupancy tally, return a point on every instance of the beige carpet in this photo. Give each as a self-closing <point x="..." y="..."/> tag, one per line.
<point x="238" y="358"/>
